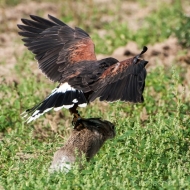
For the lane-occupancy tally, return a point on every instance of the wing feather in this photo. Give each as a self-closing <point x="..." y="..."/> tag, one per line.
<point x="111" y="80"/>
<point x="129" y="87"/>
<point x="56" y="45"/>
<point x="123" y="81"/>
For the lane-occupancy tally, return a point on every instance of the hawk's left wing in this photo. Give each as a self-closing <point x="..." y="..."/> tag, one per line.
<point x="111" y="80"/>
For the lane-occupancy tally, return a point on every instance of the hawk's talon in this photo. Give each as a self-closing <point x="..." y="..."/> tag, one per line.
<point x="77" y="121"/>
<point x="75" y="118"/>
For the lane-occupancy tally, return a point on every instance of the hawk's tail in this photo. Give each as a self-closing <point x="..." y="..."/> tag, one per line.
<point x="64" y="96"/>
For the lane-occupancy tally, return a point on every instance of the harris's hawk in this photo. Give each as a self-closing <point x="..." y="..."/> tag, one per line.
<point x="66" y="55"/>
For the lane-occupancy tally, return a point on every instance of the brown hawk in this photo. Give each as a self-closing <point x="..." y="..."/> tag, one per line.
<point x="67" y="56"/>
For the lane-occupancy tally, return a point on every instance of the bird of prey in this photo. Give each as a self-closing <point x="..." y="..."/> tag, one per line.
<point x="66" y="55"/>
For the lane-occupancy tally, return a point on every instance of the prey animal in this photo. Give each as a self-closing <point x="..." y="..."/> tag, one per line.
<point x="66" y="55"/>
<point x="86" y="139"/>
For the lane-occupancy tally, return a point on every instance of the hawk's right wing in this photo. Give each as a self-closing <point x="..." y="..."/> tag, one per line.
<point x="56" y="45"/>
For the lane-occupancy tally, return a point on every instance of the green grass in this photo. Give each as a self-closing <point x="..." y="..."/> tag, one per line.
<point x="156" y="27"/>
<point x="150" y="151"/>
<point x="151" y="148"/>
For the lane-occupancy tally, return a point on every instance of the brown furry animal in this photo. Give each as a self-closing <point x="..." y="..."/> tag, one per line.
<point x="87" y="138"/>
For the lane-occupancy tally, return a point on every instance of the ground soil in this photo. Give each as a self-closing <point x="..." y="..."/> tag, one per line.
<point x="11" y="46"/>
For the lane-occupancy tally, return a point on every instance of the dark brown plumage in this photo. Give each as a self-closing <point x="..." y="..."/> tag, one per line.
<point x="66" y="55"/>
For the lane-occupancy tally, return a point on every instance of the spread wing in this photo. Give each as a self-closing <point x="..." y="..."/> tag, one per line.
<point x="56" y="45"/>
<point x="111" y="80"/>
<point x="125" y="83"/>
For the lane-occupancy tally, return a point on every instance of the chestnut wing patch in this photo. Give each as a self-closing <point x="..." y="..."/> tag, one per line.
<point x="109" y="79"/>
<point x="55" y="44"/>
<point x="123" y="81"/>
<point x="83" y="75"/>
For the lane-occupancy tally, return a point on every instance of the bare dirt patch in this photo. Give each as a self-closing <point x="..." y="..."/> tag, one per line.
<point x="11" y="47"/>
<point x="10" y="42"/>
